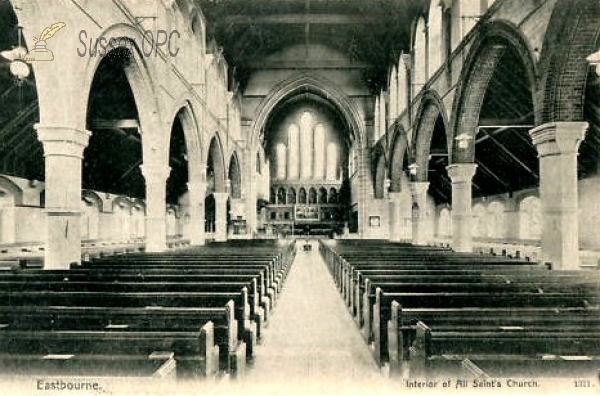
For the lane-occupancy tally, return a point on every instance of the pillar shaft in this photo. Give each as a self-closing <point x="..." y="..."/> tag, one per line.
<point x="156" y="219"/>
<point x="63" y="152"/>
<point x="196" y="229"/>
<point x="557" y="145"/>
<point x="395" y="216"/>
<point x="221" y="216"/>
<point x="462" y="181"/>
<point x="420" y="223"/>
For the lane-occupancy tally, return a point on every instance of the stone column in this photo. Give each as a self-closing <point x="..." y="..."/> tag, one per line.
<point x="395" y="216"/>
<point x="557" y="145"/>
<point x="420" y="223"/>
<point x="462" y="180"/>
<point x="63" y="152"/>
<point x="221" y="216"/>
<point x="197" y="195"/>
<point x="156" y="193"/>
<point x="250" y="196"/>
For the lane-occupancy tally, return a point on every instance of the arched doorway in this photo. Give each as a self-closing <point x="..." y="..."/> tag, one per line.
<point x="216" y="211"/>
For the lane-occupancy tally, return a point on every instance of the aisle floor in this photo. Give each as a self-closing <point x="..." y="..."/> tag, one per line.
<point x="311" y="344"/>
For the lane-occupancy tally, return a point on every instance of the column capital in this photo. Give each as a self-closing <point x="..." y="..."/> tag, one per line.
<point x="461" y="172"/>
<point x="558" y="137"/>
<point x="155" y="171"/>
<point x="419" y="189"/>
<point x="62" y="140"/>
<point x="221" y="196"/>
<point x="197" y="186"/>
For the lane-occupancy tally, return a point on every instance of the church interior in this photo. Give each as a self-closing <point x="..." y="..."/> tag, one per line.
<point x="338" y="193"/>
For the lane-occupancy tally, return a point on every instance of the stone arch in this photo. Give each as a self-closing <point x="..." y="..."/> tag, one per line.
<point x="304" y="83"/>
<point x="193" y="138"/>
<point x="235" y="176"/>
<point x="400" y="154"/>
<point x="302" y="196"/>
<point x="430" y="109"/>
<point x="292" y="196"/>
<point x="8" y="186"/>
<point x="93" y="198"/>
<point x="323" y="195"/>
<point x="333" y="196"/>
<point x="281" y="196"/>
<point x="572" y="35"/>
<point x="141" y="78"/>
<point x="313" y="197"/>
<point x="490" y="44"/>
<point x="216" y="163"/>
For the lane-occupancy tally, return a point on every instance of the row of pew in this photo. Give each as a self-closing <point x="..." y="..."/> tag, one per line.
<point x="428" y="312"/>
<point x="194" y="313"/>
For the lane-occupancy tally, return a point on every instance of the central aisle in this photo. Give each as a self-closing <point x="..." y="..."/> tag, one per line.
<point x="311" y="344"/>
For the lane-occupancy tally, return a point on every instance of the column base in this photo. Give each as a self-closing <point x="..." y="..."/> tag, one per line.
<point x="156" y="235"/>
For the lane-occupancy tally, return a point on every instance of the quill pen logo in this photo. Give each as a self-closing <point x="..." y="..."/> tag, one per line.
<point x="40" y="52"/>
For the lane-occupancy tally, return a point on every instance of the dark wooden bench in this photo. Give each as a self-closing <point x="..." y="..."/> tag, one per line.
<point x="582" y="287"/>
<point x="441" y="350"/>
<point x="246" y="329"/>
<point x="35" y="318"/>
<point x="349" y="275"/>
<point x="256" y="312"/>
<point x="541" y="279"/>
<point x="194" y="351"/>
<point x="401" y="327"/>
<point x="274" y="280"/>
<point x="156" y="365"/>
<point x="383" y="302"/>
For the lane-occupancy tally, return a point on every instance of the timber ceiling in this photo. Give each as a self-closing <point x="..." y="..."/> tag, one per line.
<point x="371" y="33"/>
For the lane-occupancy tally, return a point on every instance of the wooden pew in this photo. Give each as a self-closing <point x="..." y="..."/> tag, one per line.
<point x="269" y="283"/>
<point x="246" y="329"/>
<point x="356" y="288"/>
<point x="441" y="350"/>
<point x="401" y="327"/>
<point x="383" y="301"/>
<point x="274" y="280"/>
<point x="34" y="318"/>
<point x="348" y="276"/>
<point x="256" y="313"/>
<point x="580" y="286"/>
<point x="214" y="276"/>
<point x="194" y="351"/>
<point x="156" y="365"/>
<point x="542" y="280"/>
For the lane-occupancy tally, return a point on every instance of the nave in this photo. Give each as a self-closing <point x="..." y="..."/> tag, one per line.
<point x="312" y="345"/>
<point x="273" y="317"/>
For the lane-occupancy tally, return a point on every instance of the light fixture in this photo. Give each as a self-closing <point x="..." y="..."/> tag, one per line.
<point x="463" y="140"/>
<point x="18" y="67"/>
<point x="594" y="60"/>
<point x="413" y="168"/>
